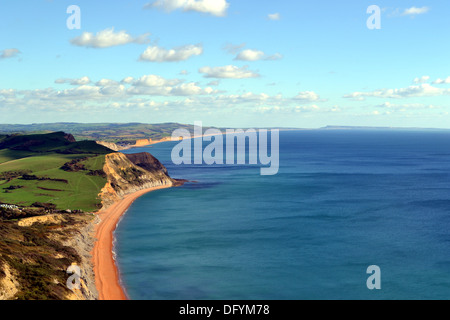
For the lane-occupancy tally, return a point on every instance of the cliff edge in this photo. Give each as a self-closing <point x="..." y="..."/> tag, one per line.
<point x="127" y="174"/>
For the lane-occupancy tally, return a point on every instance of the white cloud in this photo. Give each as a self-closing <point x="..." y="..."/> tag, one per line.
<point x="113" y="90"/>
<point x="128" y="80"/>
<point x="403" y="107"/>
<point x="274" y="16"/>
<point x="9" y="53"/>
<point x="107" y="38"/>
<point x="157" y="54"/>
<point x="189" y="89"/>
<point x="81" y="92"/>
<point x="250" y="55"/>
<point x="153" y="81"/>
<point x="149" y="91"/>
<point x="228" y="72"/>
<point x="420" y="80"/>
<point x="74" y="82"/>
<point x="185" y="89"/>
<point x="147" y="85"/>
<point x="415" y="11"/>
<point x="250" y="96"/>
<point x="306" y="108"/>
<point x="442" y="81"/>
<point x="255" y="55"/>
<point x="7" y="92"/>
<point x="214" y="7"/>
<point x="248" y="100"/>
<point x="423" y="90"/>
<point x="307" y="96"/>
<point x="155" y="85"/>
<point x="106" y="83"/>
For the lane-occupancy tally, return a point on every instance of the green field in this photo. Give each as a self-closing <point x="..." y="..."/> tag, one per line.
<point x="80" y="192"/>
<point x="121" y="133"/>
<point x="31" y="171"/>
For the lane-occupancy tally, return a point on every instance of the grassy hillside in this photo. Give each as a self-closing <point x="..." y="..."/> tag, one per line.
<point x="44" y="175"/>
<point x="121" y="133"/>
<point x="51" y="168"/>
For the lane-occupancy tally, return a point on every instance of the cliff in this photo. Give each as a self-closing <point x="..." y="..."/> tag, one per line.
<point x="143" y="142"/>
<point x="40" y="240"/>
<point x="35" y="254"/>
<point x="147" y="162"/>
<point x="110" y="145"/>
<point x="147" y="142"/>
<point x="127" y="174"/>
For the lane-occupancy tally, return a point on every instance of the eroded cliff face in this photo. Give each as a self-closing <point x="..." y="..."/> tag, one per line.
<point x="147" y="142"/>
<point x="36" y="251"/>
<point x="127" y="174"/>
<point x="110" y="145"/>
<point x="143" y="142"/>
<point x="35" y="254"/>
<point x="147" y="162"/>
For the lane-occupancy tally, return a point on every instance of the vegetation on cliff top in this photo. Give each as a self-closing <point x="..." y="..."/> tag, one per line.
<point x="34" y="169"/>
<point x="52" y="173"/>
<point x="120" y="133"/>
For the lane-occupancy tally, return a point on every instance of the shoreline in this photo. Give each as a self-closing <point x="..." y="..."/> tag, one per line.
<point x="169" y="139"/>
<point x="106" y="272"/>
<point x="107" y="278"/>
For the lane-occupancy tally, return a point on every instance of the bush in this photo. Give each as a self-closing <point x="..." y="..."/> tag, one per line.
<point x="47" y="206"/>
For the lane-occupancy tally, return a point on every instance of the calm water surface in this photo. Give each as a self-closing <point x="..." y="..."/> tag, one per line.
<point x="343" y="200"/>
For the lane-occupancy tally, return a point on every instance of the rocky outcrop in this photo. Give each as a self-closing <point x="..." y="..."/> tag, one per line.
<point x="143" y="142"/>
<point x="147" y="162"/>
<point x="125" y="177"/>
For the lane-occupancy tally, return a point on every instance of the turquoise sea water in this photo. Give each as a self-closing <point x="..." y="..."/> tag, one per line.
<point x="342" y="201"/>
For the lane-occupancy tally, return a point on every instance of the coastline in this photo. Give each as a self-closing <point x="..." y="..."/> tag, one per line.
<point x="107" y="280"/>
<point x="107" y="277"/>
<point x="169" y="139"/>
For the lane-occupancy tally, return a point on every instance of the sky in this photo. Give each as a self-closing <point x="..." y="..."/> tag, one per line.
<point x="227" y="63"/>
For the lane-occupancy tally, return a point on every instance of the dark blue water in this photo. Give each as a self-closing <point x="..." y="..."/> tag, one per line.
<point x="342" y="201"/>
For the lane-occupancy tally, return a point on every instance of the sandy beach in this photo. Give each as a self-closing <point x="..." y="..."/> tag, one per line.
<point x="106" y="273"/>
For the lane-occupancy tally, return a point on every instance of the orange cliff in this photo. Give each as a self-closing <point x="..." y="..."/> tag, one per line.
<point x="148" y="142"/>
<point x="143" y="142"/>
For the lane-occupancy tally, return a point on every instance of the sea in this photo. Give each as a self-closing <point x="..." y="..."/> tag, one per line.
<point x="342" y="201"/>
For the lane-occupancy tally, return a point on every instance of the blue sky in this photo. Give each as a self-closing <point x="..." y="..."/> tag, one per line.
<point x="226" y="63"/>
